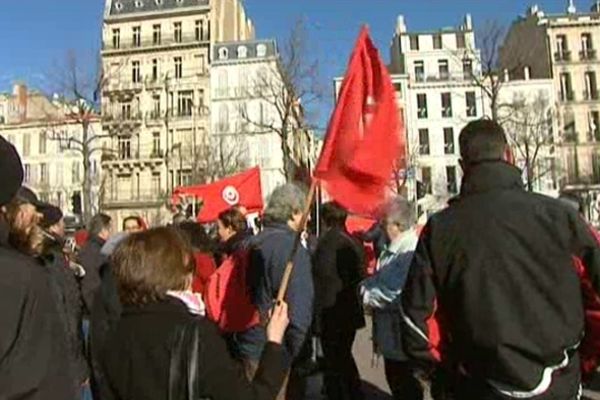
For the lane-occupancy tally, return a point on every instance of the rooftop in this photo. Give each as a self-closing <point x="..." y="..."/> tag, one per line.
<point x="130" y="7"/>
<point x="244" y="50"/>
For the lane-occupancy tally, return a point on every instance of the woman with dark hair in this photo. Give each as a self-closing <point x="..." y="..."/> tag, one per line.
<point x="202" y="247"/>
<point x="184" y="357"/>
<point x="232" y="230"/>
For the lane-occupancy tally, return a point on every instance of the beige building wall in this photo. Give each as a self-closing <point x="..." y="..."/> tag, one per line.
<point x="156" y="101"/>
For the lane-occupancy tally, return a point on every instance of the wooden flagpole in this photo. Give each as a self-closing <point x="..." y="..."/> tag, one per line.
<point x="289" y="266"/>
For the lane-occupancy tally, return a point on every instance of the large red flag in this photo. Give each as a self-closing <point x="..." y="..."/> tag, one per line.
<point x="363" y="142"/>
<point x="243" y="189"/>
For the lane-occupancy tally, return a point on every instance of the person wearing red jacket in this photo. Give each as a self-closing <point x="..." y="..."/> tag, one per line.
<point x="203" y="254"/>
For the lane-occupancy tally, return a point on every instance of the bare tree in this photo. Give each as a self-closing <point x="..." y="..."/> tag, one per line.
<point x="529" y="129"/>
<point x="218" y="157"/>
<point x="288" y="88"/>
<point x="76" y="90"/>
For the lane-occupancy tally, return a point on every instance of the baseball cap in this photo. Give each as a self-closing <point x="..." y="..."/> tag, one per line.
<point x="11" y="170"/>
<point x="26" y="195"/>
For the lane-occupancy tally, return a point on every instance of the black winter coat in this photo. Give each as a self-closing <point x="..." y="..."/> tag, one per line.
<point x="91" y="259"/>
<point x="67" y="296"/>
<point x="338" y="269"/>
<point x="33" y="356"/>
<point x="497" y="270"/>
<point x="138" y="356"/>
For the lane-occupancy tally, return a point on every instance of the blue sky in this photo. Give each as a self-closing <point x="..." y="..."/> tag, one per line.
<point x="38" y="33"/>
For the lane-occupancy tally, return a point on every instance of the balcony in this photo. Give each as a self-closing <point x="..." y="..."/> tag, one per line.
<point x="443" y="77"/>
<point x="587" y="55"/>
<point x="122" y="119"/>
<point x="148" y="42"/>
<point x="123" y="87"/>
<point x="562" y="56"/>
<point x="129" y="197"/>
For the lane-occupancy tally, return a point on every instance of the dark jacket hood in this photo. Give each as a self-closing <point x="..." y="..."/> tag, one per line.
<point x="491" y="175"/>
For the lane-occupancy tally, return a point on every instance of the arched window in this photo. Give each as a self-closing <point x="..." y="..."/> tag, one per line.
<point x="223" y="53"/>
<point x="242" y="52"/>
<point x="261" y="50"/>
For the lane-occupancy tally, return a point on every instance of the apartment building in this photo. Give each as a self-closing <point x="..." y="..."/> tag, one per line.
<point x="435" y="69"/>
<point x="563" y="47"/>
<point x="156" y="56"/>
<point x="44" y="135"/>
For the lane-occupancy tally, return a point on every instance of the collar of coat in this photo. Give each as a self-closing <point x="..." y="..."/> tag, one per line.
<point x="491" y="175"/>
<point x="407" y="241"/>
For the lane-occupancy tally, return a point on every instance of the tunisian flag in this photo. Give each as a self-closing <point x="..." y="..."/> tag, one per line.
<point x="363" y="142"/>
<point x="238" y="190"/>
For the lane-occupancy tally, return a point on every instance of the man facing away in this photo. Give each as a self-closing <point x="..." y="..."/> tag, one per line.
<point x="497" y="271"/>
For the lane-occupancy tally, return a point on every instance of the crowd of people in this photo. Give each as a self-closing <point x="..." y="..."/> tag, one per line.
<point x="496" y="297"/>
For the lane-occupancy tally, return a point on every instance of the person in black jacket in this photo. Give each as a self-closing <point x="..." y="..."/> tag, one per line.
<point x="99" y="229"/>
<point x="338" y="269"/>
<point x="66" y="291"/>
<point x="184" y="357"/>
<point x="33" y="365"/>
<point x="497" y="271"/>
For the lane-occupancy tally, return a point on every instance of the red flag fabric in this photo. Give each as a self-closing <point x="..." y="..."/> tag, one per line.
<point x="363" y="142"/>
<point x="239" y="190"/>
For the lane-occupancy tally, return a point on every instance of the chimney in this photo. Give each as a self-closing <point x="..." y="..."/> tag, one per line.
<point x="400" y="25"/>
<point x="468" y="22"/>
<point x="20" y="94"/>
<point x="571" y="9"/>
<point x="533" y="10"/>
<point x="527" y="72"/>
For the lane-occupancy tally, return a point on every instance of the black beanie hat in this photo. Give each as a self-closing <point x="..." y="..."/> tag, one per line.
<point x="11" y="171"/>
<point x="52" y="215"/>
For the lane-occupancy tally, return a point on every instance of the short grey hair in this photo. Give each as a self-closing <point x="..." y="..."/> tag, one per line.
<point x="284" y="202"/>
<point x="401" y="212"/>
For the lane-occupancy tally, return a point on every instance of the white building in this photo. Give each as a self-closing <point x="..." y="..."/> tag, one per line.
<point x="53" y="168"/>
<point x="239" y="117"/>
<point x="434" y="72"/>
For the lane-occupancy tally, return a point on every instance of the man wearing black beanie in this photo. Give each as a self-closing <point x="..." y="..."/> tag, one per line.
<point x="32" y="350"/>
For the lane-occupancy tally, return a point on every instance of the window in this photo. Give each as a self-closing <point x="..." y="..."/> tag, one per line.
<point x="437" y="42"/>
<point x="200" y="30"/>
<point x="223" y="119"/>
<point x="591" y="87"/>
<point x="156" y="34"/>
<point x="471" y="104"/>
<point x="449" y="141"/>
<point x="137" y="36"/>
<point x="201" y="98"/>
<point x="26" y="144"/>
<point x="422" y="105"/>
<point x="443" y="69"/>
<point x="566" y="90"/>
<point x="126" y="111"/>
<point x="424" y="141"/>
<point x="208" y="30"/>
<point x="177" y="32"/>
<point x="178" y="68"/>
<point x="451" y="179"/>
<point x="261" y="50"/>
<point x="185" y="103"/>
<point x="44" y="177"/>
<point x="201" y="64"/>
<point x="42" y="143"/>
<point x="223" y="88"/>
<point x="460" y="40"/>
<point x="75" y="175"/>
<point x="467" y="68"/>
<point x="587" y="48"/>
<point x="419" y="71"/>
<point x="155" y="182"/>
<point x="414" y="42"/>
<point x="569" y="131"/>
<point x="11" y="140"/>
<point x="223" y="53"/>
<point x="185" y="178"/>
<point x="562" y="51"/>
<point x="156" y="152"/>
<point x="426" y="179"/>
<point x="27" y="173"/>
<point x="116" y="38"/>
<point x="446" y="105"/>
<point x="135" y="72"/>
<point x="594" y="124"/>
<point x="154" y="70"/>
<point x="242" y="52"/>
<point x="156" y="106"/>
<point x="124" y="147"/>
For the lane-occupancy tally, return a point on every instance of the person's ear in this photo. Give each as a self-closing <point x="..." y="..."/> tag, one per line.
<point x="508" y="156"/>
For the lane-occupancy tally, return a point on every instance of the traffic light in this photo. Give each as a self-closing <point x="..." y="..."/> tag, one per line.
<point x="76" y="203"/>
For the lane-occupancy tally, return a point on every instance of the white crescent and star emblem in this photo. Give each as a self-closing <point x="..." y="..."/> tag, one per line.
<point x="231" y="196"/>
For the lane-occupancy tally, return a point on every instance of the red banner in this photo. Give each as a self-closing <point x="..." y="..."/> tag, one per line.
<point x="242" y="190"/>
